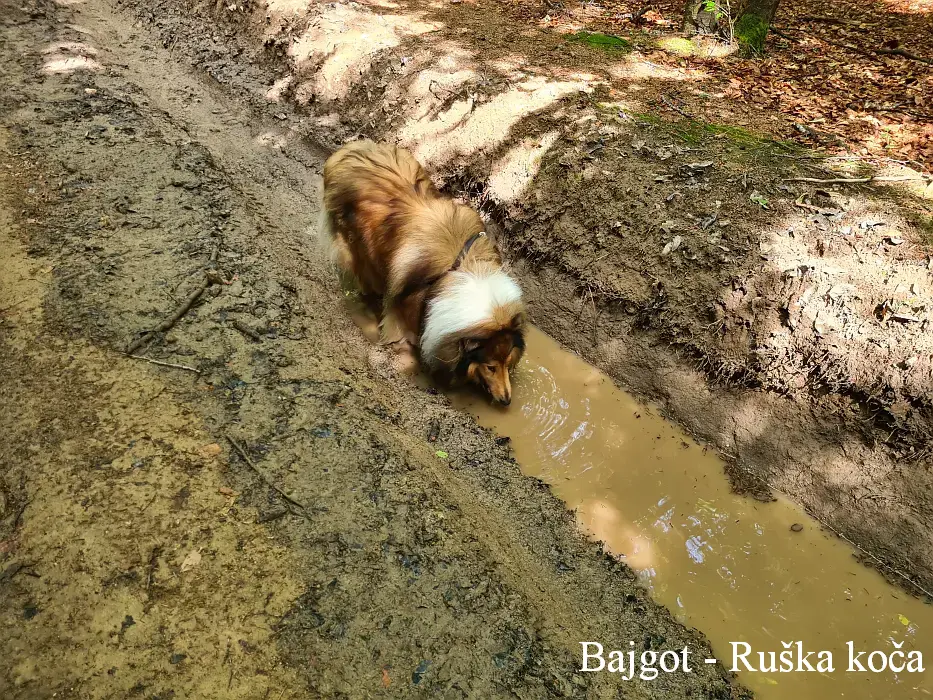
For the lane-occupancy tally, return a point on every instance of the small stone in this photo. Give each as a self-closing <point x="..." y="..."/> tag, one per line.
<point x="796" y="527"/>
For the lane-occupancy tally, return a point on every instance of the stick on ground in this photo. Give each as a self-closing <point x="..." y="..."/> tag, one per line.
<point x="171" y="320"/>
<point x="166" y="364"/>
<point x="262" y="475"/>
<point x="856" y="180"/>
<point x="210" y="277"/>
<point x="246" y="330"/>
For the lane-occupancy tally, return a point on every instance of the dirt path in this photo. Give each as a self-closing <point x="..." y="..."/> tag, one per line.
<point x="140" y="554"/>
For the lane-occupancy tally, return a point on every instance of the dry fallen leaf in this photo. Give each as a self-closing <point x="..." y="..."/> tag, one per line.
<point x="386" y="681"/>
<point x="192" y="560"/>
<point x="672" y="245"/>
<point x="211" y="450"/>
<point x="226" y="492"/>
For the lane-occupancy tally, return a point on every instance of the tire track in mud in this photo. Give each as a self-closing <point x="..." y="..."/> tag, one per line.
<point x="410" y="576"/>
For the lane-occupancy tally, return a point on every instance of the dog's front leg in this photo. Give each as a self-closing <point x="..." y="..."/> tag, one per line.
<point x="392" y="330"/>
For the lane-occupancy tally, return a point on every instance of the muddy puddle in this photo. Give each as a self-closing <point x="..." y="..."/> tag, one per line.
<point x="734" y="568"/>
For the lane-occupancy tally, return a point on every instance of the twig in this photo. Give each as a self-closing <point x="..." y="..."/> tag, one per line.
<point x="13" y="305"/>
<point x="11" y="571"/>
<point x="856" y="180"/>
<point x="675" y="107"/>
<point x="246" y="330"/>
<point x="838" y="533"/>
<point x="819" y="210"/>
<point x="595" y="321"/>
<point x="905" y="54"/>
<point x="262" y="475"/>
<point x="165" y="364"/>
<point x="775" y="30"/>
<point x="593" y="260"/>
<point x="210" y="276"/>
<point x="153" y="560"/>
<point x="173" y="319"/>
<point x="879" y="562"/>
<point x="830" y="20"/>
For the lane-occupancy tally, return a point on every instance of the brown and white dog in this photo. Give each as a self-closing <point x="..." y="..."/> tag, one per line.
<point x="426" y="259"/>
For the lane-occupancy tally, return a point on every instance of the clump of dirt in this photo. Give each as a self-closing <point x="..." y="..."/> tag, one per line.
<point x="250" y="506"/>
<point x="783" y="319"/>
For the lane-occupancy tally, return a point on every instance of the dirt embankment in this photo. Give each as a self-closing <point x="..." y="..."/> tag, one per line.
<point x="785" y="322"/>
<point x="141" y="553"/>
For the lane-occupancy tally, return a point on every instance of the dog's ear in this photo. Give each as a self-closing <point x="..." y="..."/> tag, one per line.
<point x="469" y="344"/>
<point x="518" y="321"/>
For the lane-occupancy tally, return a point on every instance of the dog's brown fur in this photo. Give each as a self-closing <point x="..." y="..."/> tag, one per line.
<point x="397" y="236"/>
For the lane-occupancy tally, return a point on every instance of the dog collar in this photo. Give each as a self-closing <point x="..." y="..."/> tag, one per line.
<point x="466" y="249"/>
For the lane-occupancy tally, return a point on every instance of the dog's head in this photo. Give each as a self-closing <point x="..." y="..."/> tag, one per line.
<point x="486" y="361"/>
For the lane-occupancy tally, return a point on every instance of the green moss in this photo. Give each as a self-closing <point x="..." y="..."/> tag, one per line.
<point x="646" y="118"/>
<point x="606" y="42"/>
<point x="742" y="141"/>
<point x="751" y="31"/>
<point x="693" y="132"/>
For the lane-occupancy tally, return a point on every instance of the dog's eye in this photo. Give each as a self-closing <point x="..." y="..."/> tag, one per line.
<point x="491" y="368"/>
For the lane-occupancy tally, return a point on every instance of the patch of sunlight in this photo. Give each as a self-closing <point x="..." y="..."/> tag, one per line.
<point x="329" y="120"/>
<point x="508" y="66"/>
<point x="703" y="47"/>
<point x="914" y="7"/>
<point x="635" y="67"/>
<point x="68" y="3"/>
<point x="617" y="106"/>
<point x="677" y="45"/>
<point x="587" y="77"/>
<point x="274" y="93"/>
<point x="432" y="86"/>
<point x="290" y="7"/>
<point x="59" y="64"/>
<point x="607" y="525"/>
<point x="274" y="139"/>
<point x="839" y="471"/>
<point x="514" y="172"/>
<point x="466" y="128"/>
<point x="839" y="291"/>
<point x="78" y="28"/>
<point x="345" y="41"/>
<point x="69" y="56"/>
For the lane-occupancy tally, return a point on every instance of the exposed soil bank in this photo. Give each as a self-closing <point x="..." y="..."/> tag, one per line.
<point x="140" y="553"/>
<point x="786" y="323"/>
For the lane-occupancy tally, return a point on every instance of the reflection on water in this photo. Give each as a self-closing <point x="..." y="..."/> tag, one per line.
<point x="729" y="566"/>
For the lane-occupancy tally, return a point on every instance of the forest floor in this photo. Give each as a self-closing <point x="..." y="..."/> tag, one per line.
<point x="651" y="204"/>
<point x="851" y="78"/>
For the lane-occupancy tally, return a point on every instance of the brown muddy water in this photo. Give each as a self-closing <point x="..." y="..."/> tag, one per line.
<point x="732" y="567"/>
<point x="736" y="569"/>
